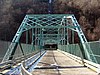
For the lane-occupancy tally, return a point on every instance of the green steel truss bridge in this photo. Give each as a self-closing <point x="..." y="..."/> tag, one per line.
<point x="48" y="29"/>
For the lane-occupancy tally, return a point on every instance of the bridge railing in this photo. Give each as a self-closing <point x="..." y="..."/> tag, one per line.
<point x="27" y="49"/>
<point x="72" y="49"/>
<point x="77" y="50"/>
<point x="95" y="47"/>
<point x="3" y="48"/>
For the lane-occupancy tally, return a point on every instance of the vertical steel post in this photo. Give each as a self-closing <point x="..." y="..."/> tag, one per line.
<point x="27" y="41"/>
<point x="58" y="37"/>
<point x="67" y="34"/>
<point x="73" y="37"/>
<point x="33" y="39"/>
<point x="42" y="39"/>
<point x="64" y="32"/>
<point x="26" y="37"/>
<point x="37" y="37"/>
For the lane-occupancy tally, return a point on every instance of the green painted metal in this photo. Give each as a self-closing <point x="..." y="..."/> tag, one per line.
<point x="14" y="44"/>
<point x="47" y="27"/>
<point x="72" y="49"/>
<point x="75" y="49"/>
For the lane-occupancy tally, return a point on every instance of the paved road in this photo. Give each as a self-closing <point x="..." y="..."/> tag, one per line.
<point x="56" y="63"/>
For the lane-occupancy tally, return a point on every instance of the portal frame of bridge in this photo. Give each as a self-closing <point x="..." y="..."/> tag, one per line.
<point x="48" y="29"/>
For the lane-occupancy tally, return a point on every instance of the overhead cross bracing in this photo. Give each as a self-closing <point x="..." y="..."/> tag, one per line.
<point x="45" y="29"/>
<point x="44" y="25"/>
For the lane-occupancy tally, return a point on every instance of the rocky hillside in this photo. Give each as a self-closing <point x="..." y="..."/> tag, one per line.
<point x="12" y="13"/>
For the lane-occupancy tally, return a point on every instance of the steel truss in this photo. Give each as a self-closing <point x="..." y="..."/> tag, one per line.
<point x="47" y="29"/>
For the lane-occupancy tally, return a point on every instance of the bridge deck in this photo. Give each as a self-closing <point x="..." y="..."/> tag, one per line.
<point x="56" y="63"/>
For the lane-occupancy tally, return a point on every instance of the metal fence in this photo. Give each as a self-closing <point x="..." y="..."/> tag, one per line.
<point x="27" y="49"/>
<point x="76" y="49"/>
<point x="3" y="48"/>
<point x="95" y="47"/>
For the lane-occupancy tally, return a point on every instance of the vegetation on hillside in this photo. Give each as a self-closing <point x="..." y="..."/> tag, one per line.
<point x="12" y="13"/>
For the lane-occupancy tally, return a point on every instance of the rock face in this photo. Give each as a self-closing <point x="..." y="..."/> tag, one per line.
<point x="87" y="13"/>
